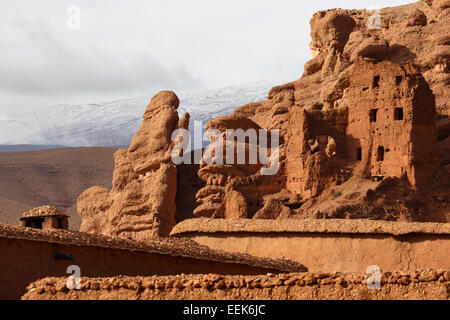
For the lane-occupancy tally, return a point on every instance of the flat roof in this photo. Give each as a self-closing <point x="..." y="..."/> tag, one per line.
<point x="41" y="212"/>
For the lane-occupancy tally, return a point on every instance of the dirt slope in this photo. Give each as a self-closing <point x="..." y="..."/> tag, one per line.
<point x="56" y="177"/>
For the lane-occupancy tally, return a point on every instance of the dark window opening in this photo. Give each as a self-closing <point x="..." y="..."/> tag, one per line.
<point x="60" y="223"/>
<point x="359" y="154"/>
<point x="398" y="114"/>
<point x="295" y="205"/>
<point x="373" y="115"/>
<point x="35" y="223"/>
<point x="380" y="154"/>
<point x="398" y="80"/>
<point x="376" y="81"/>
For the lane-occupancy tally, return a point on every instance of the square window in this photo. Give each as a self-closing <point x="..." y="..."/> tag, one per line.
<point x="35" y="223"/>
<point x="398" y="80"/>
<point x="398" y="114"/>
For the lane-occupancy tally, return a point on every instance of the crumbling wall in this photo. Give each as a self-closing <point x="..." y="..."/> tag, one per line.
<point x="316" y="140"/>
<point x="421" y="285"/>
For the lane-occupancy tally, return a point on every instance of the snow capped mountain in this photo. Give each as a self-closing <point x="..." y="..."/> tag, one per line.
<point x="115" y="123"/>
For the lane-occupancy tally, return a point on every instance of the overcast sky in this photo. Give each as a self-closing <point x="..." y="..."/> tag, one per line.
<point x="126" y="49"/>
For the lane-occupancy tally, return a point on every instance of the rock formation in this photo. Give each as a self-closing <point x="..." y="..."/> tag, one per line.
<point x="383" y="128"/>
<point x="415" y="33"/>
<point x="364" y="133"/>
<point x="141" y="203"/>
<point x="364" y="111"/>
<point x="234" y="190"/>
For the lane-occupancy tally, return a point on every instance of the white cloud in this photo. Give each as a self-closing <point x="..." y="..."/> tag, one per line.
<point x="134" y="48"/>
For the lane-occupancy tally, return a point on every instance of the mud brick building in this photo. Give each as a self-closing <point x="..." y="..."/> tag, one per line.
<point x="392" y="122"/>
<point x="385" y="126"/>
<point x="46" y="217"/>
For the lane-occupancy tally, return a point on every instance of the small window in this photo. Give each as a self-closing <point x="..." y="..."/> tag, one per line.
<point x="376" y="82"/>
<point x="60" y="223"/>
<point x="398" y="114"/>
<point x="35" y="223"/>
<point x="398" y="80"/>
<point x="380" y="154"/>
<point x="373" y="115"/>
<point x="359" y="154"/>
<point x="38" y="223"/>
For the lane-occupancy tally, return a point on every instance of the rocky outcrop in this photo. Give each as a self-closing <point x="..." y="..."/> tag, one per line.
<point x="414" y="33"/>
<point x="416" y="18"/>
<point x="329" y="142"/>
<point x="141" y="203"/>
<point x="362" y="134"/>
<point x="235" y="190"/>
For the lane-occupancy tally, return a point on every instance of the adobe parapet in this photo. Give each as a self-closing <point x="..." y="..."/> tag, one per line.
<point x="329" y="245"/>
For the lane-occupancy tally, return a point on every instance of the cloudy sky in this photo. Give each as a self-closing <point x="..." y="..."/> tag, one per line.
<point x="125" y="49"/>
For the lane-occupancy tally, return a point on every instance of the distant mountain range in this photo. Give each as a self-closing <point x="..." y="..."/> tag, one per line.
<point x="27" y="147"/>
<point x="113" y="124"/>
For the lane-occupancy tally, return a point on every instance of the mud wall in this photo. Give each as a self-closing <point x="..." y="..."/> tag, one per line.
<point x="24" y="261"/>
<point x="329" y="245"/>
<point x="415" y="285"/>
<point x="304" y="175"/>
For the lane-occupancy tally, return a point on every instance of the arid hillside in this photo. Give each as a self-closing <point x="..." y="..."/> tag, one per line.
<point x="55" y="177"/>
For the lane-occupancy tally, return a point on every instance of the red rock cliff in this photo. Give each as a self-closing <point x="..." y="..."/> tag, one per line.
<point x="141" y="203"/>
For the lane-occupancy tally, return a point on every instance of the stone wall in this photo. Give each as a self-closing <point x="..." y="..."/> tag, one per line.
<point x="423" y="285"/>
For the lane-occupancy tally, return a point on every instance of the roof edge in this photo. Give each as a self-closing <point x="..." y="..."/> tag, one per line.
<point x="340" y="226"/>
